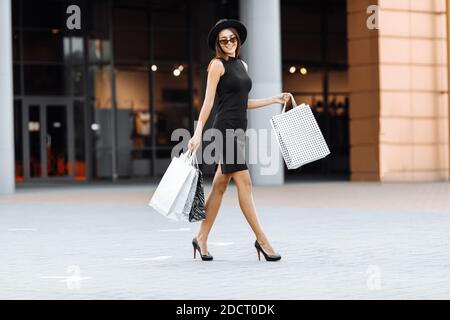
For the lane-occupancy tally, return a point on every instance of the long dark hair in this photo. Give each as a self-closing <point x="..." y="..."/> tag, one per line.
<point x="219" y="51"/>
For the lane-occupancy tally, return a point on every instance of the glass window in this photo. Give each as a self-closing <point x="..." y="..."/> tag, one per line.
<point x="100" y="86"/>
<point x="56" y="139"/>
<point x="44" y="13"/>
<point x="78" y="80"/>
<point x="171" y="101"/>
<point x="301" y="17"/>
<point x="76" y="50"/>
<point x="16" y="78"/>
<point x="101" y="127"/>
<point x="133" y="116"/>
<point x="337" y="49"/>
<point x="99" y="50"/>
<point x="335" y="12"/>
<point x="131" y="44"/>
<point x="300" y="25"/>
<point x="124" y="130"/>
<point x="46" y="80"/>
<point x="34" y="132"/>
<point x="18" y="140"/>
<point x="98" y="21"/>
<point x="141" y="163"/>
<point x="132" y="87"/>
<point x="338" y="81"/>
<point x="170" y="44"/>
<point x="97" y="17"/>
<point x="15" y="13"/>
<point x="80" y="152"/>
<point x="169" y="13"/>
<point x="293" y="46"/>
<point x="44" y="46"/>
<point x="16" y="45"/>
<point x="130" y="14"/>
<point x="308" y="85"/>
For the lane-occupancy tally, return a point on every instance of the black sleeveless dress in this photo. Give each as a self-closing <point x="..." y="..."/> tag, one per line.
<point x="231" y="116"/>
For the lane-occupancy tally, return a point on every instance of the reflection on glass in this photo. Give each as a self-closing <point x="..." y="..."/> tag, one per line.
<point x="16" y="45"/>
<point x="130" y="14"/>
<point x="311" y="86"/>
<point x="73" y="49"/>
<point x="99" y="50"/>
<point x="98" y="18"/>
<point x="16" y="78"/>
<point x="338" y="45"/>
<point x="169" y="13"/>
<point x="80" y="154"/>
<point x="338" y="81"/>
<point x="46" y="80"/>
<point x="141" y="163"/>
<point x="131" y="44"/>
<point x="56" y="140"/>
<point x="77" y="50"/>
<point x="15" y="6"/>
<point x="99" y="80"/>
<point x="293" y="44"/>
<point x="170" y="44"/>
<point x="171" y="101"/>
<point x="133" y="124"/>
<point x="18" y="140"/>
<point x="44" y="13"/>
<point x="78" y="81"/>
<point x="43" y="46"/>
<point x="339" y="127"/>
<point x="101" y="127"/>
<point x="34" y="133"/>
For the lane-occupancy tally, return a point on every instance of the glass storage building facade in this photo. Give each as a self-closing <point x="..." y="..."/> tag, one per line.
<point x="101" y="102"/>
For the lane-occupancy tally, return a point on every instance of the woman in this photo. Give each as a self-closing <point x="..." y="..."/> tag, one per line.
<point x="227" y="74"/>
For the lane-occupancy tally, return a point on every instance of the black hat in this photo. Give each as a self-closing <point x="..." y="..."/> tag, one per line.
<point x="223" y="24"/>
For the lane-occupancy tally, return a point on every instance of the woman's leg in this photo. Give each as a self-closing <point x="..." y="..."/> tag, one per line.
<point x="212" y="205"/>
<point x="245" y="195"/>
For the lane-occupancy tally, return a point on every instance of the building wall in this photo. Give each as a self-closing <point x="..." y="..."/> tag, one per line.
<point x="47" y="57"/>
<point x="398" y="84"/>
<point x="364" y="91"/>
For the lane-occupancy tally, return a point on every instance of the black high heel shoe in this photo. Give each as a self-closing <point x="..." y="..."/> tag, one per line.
<point x="205" y="257"/>
<point x="269" y="257"/>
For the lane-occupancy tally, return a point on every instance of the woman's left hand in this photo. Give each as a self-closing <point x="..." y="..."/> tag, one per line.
<point x="282" y="97"/>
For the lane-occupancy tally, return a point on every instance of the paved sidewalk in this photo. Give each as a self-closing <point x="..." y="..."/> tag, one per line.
<point x="338" y="240"/>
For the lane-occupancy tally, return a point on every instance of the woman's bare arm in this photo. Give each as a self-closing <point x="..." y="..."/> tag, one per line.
<point x="258" y="103"/>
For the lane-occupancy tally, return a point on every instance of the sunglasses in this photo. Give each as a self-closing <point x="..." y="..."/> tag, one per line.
<point x="233" y="39"/>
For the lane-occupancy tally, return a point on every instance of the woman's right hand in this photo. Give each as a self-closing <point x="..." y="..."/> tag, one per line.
<point x="193" y="143"/>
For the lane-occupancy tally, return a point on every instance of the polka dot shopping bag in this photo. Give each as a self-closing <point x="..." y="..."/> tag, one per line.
<point x="299" y="136"/>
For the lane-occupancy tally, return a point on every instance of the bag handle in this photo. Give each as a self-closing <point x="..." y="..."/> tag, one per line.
<point x="194" y="160"/>
<point x="185" y="156"/>
<point x="191" y="158"/>
<point x="294" y="104"/>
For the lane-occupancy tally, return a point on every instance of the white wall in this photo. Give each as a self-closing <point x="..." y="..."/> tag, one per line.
<point x="7" y="169"/>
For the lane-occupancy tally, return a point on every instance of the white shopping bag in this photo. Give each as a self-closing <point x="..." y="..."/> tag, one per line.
<point x="299" y="136"/>
<point x="183" y="195"/>
<point x="171" y="189"/>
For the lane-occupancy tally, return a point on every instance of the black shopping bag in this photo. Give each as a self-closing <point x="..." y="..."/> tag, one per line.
<point x="197" y="212"/>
